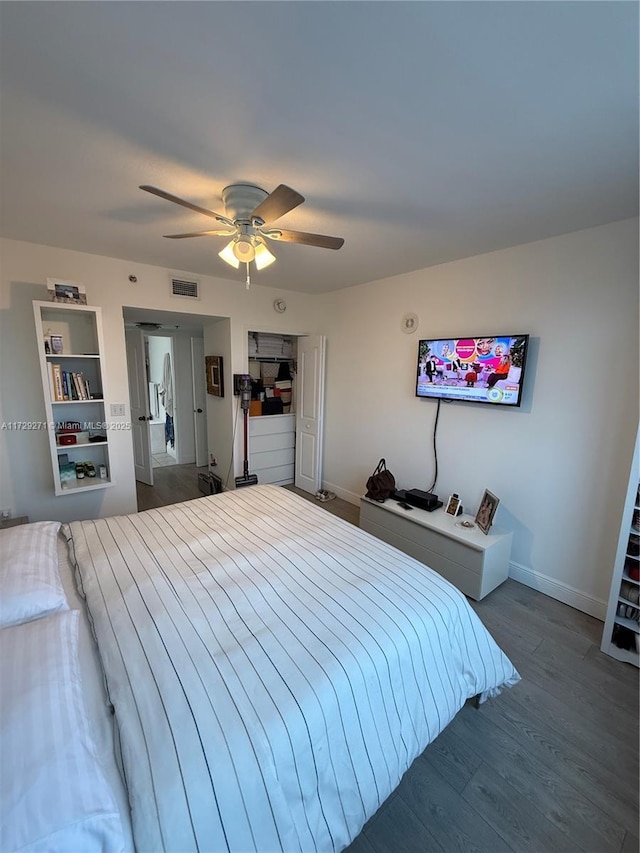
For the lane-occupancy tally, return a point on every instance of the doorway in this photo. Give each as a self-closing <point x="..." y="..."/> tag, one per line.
<point x="159" y="360"/>
<point x="167" y="390"/>
<point x="286" y="415"/>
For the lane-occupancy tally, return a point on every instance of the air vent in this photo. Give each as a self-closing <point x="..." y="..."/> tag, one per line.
<point x="180" y="287"/>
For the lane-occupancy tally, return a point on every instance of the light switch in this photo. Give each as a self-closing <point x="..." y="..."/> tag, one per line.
<point x="118" y="410"/>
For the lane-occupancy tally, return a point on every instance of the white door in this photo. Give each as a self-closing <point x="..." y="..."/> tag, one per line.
<point x="139" y="400"/>
<point x="310" y="410"/>
<point x="199" y="400"/>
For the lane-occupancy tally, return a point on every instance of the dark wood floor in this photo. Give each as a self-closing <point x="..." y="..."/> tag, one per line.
<point x="171" y="485"/>
<point x="547" y="767"/>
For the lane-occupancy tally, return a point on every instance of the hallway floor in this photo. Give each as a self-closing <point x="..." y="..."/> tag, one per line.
<point x="162" y="460"/>
<point x="172" y="484"/>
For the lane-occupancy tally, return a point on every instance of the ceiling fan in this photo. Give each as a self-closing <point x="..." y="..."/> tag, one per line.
<point x="249" y="214"/>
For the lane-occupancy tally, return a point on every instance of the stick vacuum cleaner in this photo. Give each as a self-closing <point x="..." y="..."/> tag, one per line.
<point x="247" y="479"/>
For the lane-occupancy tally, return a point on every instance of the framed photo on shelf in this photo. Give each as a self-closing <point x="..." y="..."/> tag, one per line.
<point x="486" y="510"/>
<point x="215" y="376"/>
<point x="70" y="292"/>
<point x="56" y="342"/>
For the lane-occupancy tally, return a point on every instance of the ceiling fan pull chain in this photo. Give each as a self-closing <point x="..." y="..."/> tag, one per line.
<point x="248" y="276"/>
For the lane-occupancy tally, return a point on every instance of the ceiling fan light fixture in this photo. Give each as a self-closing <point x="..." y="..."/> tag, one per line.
<point x="227" y="255"/>
<point x="264" y="257"/>
<point x="243" y="249"/>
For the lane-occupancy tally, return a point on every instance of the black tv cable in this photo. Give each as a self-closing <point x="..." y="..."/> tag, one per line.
<point x="435" y="449"/>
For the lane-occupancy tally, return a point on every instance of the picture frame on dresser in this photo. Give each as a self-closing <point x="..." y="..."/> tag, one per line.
<point x="486" y="511"/>
<point x="453" y="505"/>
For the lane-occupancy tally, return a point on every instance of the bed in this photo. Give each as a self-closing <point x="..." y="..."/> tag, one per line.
<point x="264" y="674"/>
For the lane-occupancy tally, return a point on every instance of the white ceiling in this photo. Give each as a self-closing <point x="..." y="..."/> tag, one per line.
<point x="421" y="132"/>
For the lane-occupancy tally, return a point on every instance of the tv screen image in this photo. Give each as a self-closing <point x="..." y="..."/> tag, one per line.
<point x="486" y="369"/>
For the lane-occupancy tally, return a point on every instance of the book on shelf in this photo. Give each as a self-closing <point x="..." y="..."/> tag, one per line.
<point x="65" y="385"/>
<point x="57" y="387"/>
<point x="80" y="386"/>
<point x="76" y="386"/>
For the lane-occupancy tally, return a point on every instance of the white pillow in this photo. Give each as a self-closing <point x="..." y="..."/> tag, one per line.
<point x="30" y="584"/>
<point x="53" y="792"/>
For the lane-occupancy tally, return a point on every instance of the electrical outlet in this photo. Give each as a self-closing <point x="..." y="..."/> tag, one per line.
<point x="5" y="513"/>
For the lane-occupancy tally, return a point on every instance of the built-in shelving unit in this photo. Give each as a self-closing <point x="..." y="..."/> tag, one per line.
<point x="71" y="353"/>
<point x="621" y="636"/>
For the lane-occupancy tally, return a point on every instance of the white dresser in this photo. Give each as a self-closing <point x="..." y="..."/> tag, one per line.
<point x="473" y="562"/>
<point x="272" y="448"/>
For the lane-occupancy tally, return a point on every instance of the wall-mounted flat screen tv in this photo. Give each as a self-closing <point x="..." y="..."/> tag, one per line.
<point x="488" y="369"/>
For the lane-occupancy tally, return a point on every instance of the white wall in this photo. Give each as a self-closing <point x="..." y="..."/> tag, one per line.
<point x="26" y="480"/>
<point x="222" y="411"/>
<point x="560" y="463"/>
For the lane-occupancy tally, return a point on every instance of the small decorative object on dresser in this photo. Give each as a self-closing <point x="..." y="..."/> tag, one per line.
<point x="486" y="510"/>
<point x="454" y="507"/>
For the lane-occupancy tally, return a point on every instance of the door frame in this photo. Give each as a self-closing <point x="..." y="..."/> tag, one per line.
<point x="255" y="327"/>
<point x="129" y="325"/>
<point x="199" y="397"/>
<point x="143" y="472"/>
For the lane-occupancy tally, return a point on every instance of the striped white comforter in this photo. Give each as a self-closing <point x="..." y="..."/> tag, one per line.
<point x="274" y="670"/>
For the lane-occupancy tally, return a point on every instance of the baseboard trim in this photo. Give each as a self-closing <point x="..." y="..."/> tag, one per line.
<point x="558" y="590"/>
<point x="350" y="497"/>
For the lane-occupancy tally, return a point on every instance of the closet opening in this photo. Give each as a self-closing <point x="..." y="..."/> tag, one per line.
<point x="287" y="408"/>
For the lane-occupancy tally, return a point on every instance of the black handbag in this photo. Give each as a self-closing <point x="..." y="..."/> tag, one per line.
<point x="381" y="484"/>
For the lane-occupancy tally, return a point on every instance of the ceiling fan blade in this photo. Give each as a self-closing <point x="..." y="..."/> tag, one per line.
<point x="320" y="240"/>
<point x="174" y="198"/>
<point x="276" y="204"/>
<point x="225" y="233"/>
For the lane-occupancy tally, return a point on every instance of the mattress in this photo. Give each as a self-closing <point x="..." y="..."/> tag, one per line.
<point x="97" y="706"/>
<point x="274" y="670"/>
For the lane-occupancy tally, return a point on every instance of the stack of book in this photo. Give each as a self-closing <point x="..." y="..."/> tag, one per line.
<point x="66" y="385"/>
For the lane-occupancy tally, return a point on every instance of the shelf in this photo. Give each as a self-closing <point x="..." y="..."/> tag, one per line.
<point x="271" y="358"/>
<point x="81" y="365"/>
<point x="72" y="487"/>
<point x="621" y="583"/>
<point x="627" y="623"/>
<point x="54" y="356"/>
<point x="63" y="448"/>
<point x="73" y="402"/>
<point x="624" y="655"/>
